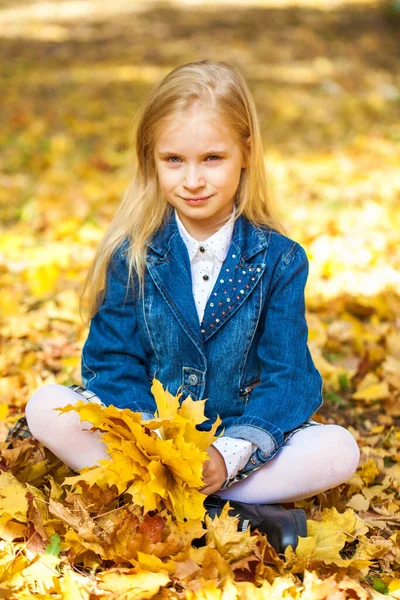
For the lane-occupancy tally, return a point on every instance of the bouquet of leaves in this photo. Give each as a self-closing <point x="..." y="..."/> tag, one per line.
<point x="158" y="471"/>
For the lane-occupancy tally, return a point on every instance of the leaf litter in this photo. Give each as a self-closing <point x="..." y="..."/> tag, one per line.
<point x="126" y="527"/>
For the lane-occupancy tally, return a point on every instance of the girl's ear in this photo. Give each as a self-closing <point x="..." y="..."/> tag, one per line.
<point x="247" y="152"/>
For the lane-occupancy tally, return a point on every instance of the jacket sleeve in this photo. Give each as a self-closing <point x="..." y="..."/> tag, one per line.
<point x="113" y="360"/>
<point x="290" y="388"/>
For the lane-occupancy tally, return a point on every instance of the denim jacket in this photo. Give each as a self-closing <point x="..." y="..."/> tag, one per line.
<point x="249" y="356"/>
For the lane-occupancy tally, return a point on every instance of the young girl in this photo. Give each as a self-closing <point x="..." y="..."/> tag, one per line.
<point x="195" y="283"/>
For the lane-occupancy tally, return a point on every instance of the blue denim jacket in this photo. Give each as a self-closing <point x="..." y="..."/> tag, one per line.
<point x="248" y="357"/>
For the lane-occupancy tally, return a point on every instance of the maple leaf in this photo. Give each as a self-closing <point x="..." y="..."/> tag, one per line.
<point x="167" y="404"/>
<point x="13" y="502"/>
<point x="135" y="585"/>
<point x="319" y="589"/>
<point x="376" y="391"/>
<point x="74" y="586"/>
<point x="39" y="529"/>
<point x="149" y="562"/>
<point x="223" y="535"/>
<point x="325" y="540"/>
<point x="358" y="502"/>
<point x="41" y="575"/>
<point x="369" y="471"/>
<point x="179" y="536"/>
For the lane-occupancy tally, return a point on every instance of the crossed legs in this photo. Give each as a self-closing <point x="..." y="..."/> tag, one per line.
<point x="312" y="460"/>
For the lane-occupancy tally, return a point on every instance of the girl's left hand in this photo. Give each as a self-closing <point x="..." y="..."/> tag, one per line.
<point x="214" y="472"/>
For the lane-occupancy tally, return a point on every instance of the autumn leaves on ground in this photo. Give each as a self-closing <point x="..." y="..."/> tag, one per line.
<point x="326" y="83"/>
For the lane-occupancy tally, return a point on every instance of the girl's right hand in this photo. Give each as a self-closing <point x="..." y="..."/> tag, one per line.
<point x="214" y="472"/>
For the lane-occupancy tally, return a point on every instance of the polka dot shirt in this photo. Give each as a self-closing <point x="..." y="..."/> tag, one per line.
<point x="206" y="259"/>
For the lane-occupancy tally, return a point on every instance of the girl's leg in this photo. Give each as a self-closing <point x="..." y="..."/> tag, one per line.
<point x="313" y="460"/>
<point x="64" y="434"/>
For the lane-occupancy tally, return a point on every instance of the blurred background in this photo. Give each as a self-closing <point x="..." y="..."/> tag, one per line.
<point x="326" y="82"/>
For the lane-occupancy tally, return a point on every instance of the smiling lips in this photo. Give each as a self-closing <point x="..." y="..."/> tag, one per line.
<point x="199" y="199"/>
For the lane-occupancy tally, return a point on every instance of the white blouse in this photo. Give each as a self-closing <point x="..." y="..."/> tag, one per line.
<point x="206" y="259"/>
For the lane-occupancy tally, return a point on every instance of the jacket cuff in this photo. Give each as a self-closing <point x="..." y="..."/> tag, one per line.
<point x="266" y="436"/>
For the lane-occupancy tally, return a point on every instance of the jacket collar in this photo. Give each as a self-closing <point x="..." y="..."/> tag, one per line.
<point x="247" y="238"/>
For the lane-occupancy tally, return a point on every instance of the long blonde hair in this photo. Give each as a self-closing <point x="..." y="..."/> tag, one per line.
<point x="143" y="208"/>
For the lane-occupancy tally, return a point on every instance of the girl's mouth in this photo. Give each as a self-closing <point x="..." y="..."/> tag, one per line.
<point x="197" y="201"/>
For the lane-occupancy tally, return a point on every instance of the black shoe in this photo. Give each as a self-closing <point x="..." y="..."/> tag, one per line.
<point x="282" y="527"/>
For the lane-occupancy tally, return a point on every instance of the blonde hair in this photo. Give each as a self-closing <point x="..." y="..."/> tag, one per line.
<point x="143" y="208"/>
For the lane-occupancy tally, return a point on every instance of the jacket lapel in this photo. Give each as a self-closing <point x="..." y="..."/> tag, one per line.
<point x="239" y="275"/>
<point x="169" y="266"/>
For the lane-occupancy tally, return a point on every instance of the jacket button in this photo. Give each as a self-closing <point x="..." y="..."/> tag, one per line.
<point x="193" y="379"/>
<point x="253" y="461"/>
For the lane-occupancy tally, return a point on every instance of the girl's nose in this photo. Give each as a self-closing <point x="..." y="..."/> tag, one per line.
<point x="193" y="178"/>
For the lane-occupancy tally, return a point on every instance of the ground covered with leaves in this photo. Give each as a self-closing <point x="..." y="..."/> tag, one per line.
<point x="327" y="87"/>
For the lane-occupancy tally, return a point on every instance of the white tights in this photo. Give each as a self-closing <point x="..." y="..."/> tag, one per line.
<point x="312" y="460"/>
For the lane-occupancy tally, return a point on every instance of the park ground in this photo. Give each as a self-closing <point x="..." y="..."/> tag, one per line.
<point x="326" y="82"/>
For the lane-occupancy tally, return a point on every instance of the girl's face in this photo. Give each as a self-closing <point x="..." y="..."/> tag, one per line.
<point x="199" y="163"/>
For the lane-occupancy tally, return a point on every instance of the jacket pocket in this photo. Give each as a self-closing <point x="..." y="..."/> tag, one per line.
<point x="248" y="387"/>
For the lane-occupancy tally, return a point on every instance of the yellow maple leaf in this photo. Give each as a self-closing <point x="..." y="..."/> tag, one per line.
<point x="40" y="576"/>
<point x="12" y="562"/>
<point x="371" y="389"/>
<point x="327" y="537"/>
<point x="13" y="502"/>
<point x="10" y="529"/>
<point x="223" y="535"/>
<point x="167" y="404"/>
<point x="75" y="586"/>
<point x="149" y="562"/>
<point x="369" y="471"/>
<point x="193" y="410"/>
<point x="79" y="547"/>
<point x="140" y="586"/>
<point x="358" y="502"/>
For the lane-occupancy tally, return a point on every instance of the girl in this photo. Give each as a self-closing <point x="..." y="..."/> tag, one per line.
<point x="195" y="283"/>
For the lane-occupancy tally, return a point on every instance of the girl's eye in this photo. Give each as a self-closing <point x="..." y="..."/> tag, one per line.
<point x="176" y="159"/>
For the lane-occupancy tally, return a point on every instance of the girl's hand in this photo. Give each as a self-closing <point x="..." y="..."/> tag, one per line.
<point x="214" y="471"/>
